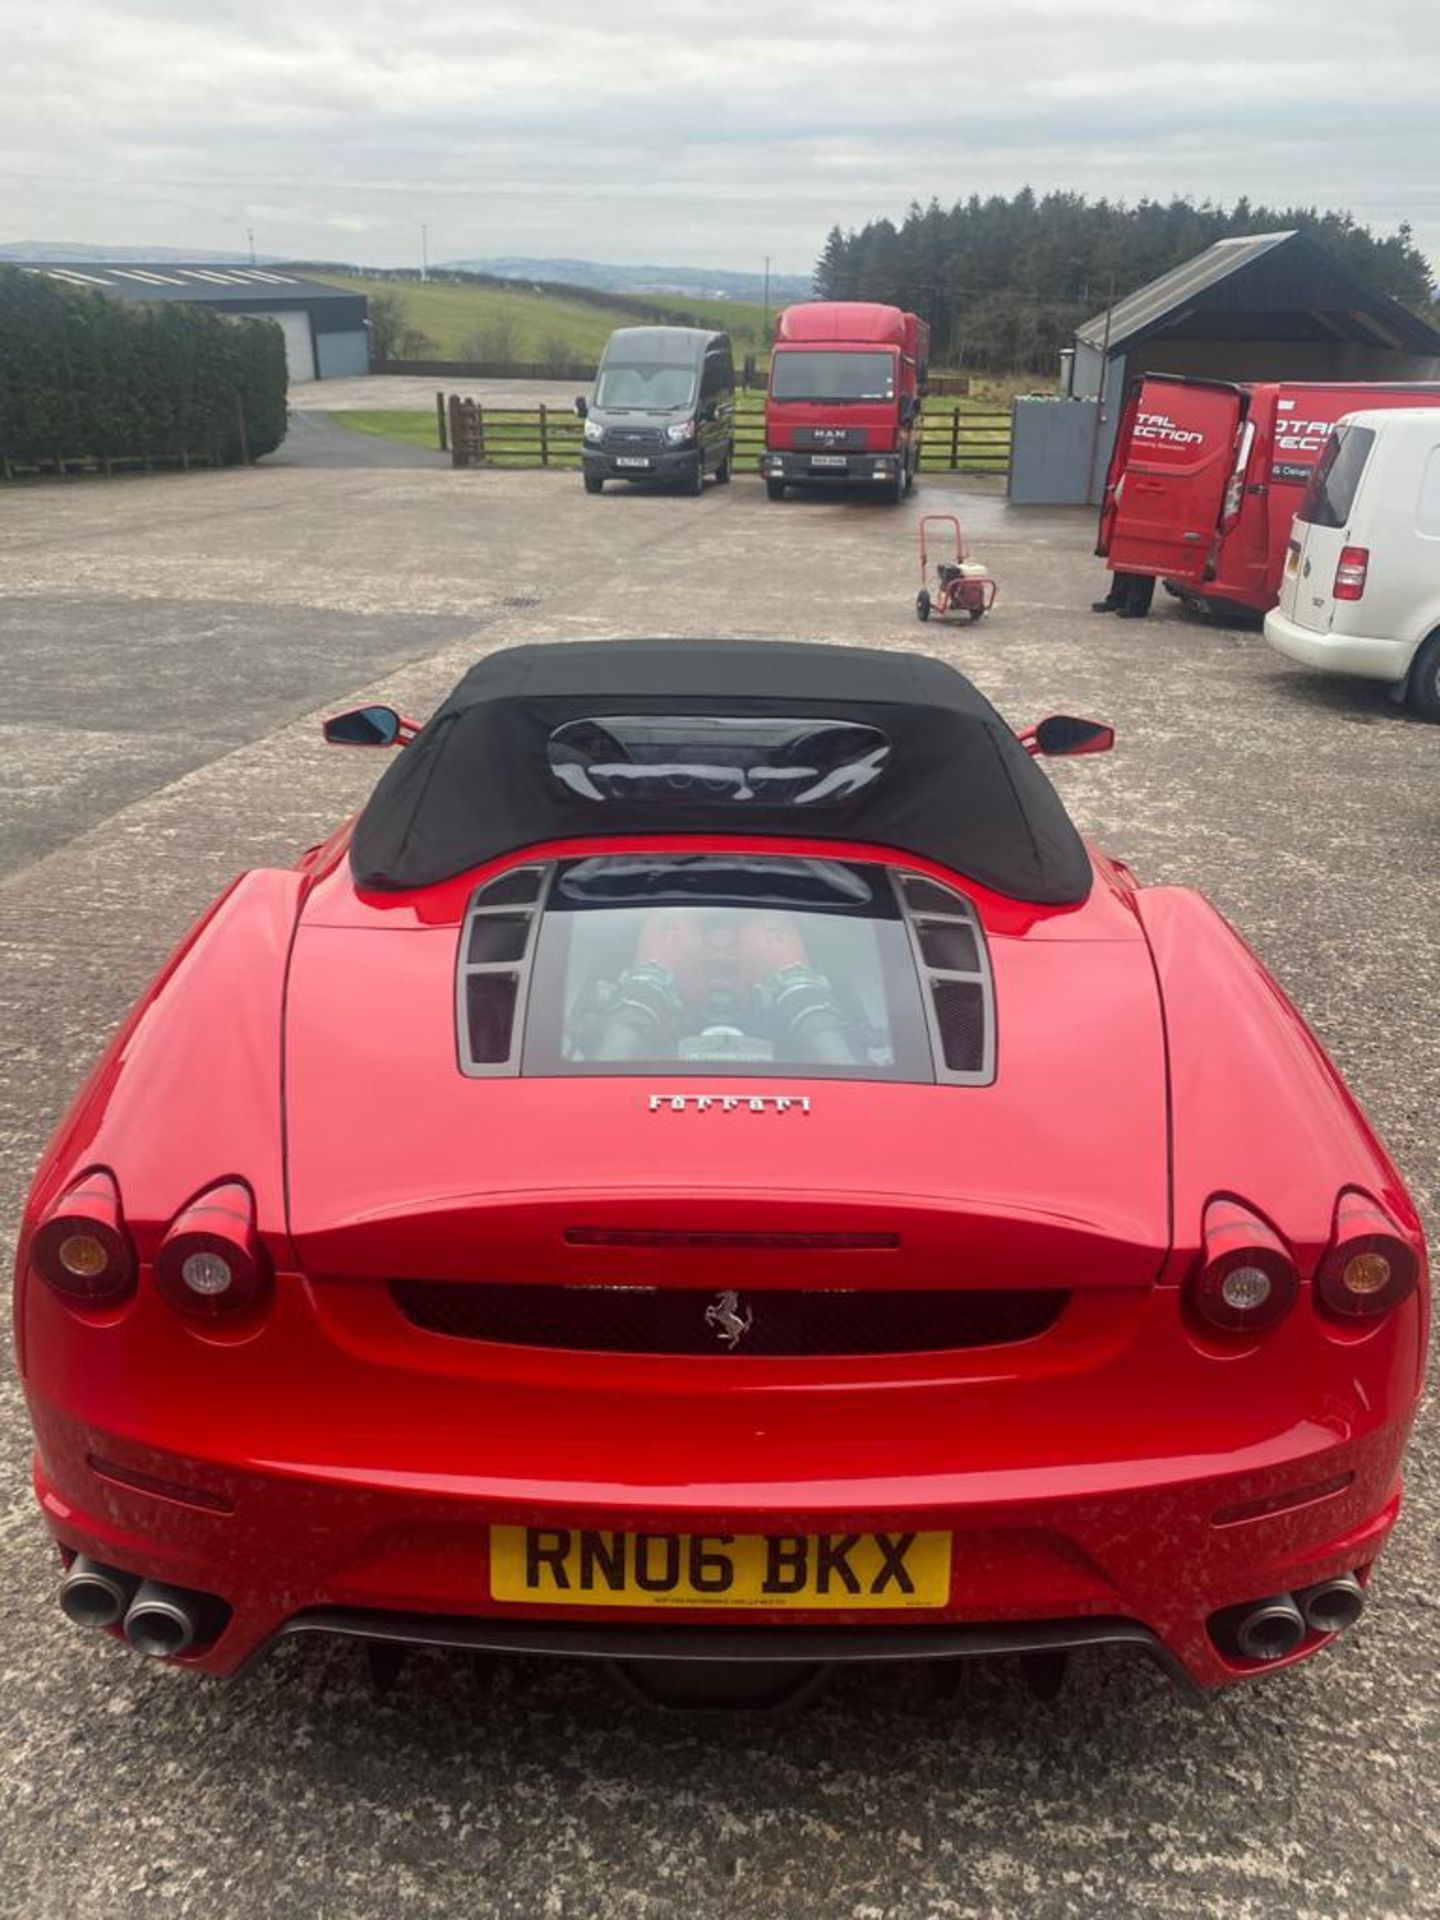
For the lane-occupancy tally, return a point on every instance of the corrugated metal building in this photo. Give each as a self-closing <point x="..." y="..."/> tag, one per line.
<point x="1268" y="306"/>
<point x="326" y="328"/>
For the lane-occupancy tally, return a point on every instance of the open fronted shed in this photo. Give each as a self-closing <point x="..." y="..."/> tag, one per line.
<point x="1270" y="306"/>
<point x="1266" y="306"/>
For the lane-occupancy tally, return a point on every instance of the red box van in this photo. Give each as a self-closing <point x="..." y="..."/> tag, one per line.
<point x="846" y="381"/>
<point x="1206" y="477"/>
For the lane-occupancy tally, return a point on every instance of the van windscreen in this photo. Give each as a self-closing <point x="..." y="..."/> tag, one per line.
<point x="654" y="388"/>
<point x="1331" y="492"/>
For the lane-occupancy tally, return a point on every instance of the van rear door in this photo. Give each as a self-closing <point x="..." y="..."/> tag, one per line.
<point x="1319" y="535"/>
<point x="1164" y="509"/>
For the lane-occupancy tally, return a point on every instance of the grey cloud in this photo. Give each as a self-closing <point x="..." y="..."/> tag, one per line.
<point x="719" y="132"/>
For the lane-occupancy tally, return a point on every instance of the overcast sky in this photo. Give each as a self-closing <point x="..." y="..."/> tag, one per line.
<point x="674" y="131"/>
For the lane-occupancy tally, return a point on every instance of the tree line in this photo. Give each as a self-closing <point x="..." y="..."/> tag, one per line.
<point x="1004" y="283"/>
<point x="87" y="378"/>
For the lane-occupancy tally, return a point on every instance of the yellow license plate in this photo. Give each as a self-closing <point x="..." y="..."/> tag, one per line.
<point x="581" y="1567"/>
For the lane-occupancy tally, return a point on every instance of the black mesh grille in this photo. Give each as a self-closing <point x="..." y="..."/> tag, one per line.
<point x="948" y="946"/>
<point x="602" y="1319"/>
<point x="960" y="1011"/>
<point x="490" y="1010"/>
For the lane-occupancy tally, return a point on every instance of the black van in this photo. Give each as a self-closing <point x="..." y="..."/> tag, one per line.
<point x="664" y="408"/>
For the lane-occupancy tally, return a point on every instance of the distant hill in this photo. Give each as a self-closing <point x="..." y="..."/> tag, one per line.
<point x="58" y="251"/>
<point x="504" y="321"/>
<point x="691" y="283"/>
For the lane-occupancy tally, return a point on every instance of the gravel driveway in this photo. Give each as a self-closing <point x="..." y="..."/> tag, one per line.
<point x="168" y="643"/>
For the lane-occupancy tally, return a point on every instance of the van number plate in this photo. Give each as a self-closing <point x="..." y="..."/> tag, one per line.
<point x="827" y="459"/>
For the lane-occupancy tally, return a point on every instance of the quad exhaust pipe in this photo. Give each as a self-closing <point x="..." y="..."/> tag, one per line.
<point x="156" y="1619"/>
<point x="1333" y="1605"/>
<point x="161" y="1621"/>
<point x="1271" y="1629"/>
<point x="93" y="1595"/>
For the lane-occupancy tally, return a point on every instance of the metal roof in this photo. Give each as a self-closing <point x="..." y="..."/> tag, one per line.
<point x="1248" y="274"/>
<point x="233" y="285"/>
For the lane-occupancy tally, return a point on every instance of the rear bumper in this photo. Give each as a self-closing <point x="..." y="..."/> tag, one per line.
<point x="338" y="1461"/>
<point x="1339" y="652"/>
<point x="373" y="1554"/>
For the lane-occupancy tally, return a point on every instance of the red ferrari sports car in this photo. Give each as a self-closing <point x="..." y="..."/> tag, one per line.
<point x="710" y="1173"/>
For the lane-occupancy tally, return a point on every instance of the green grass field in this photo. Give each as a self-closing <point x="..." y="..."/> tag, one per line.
<point x="543" y="325"/>
<point x="416" y="429"/>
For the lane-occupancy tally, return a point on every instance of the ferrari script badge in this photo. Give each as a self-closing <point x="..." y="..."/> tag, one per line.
<point x="729" y="1103"/>
<point x="730" y="1322"/>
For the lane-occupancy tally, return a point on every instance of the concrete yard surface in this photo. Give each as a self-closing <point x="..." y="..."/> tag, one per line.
<point x="168" y="646"/>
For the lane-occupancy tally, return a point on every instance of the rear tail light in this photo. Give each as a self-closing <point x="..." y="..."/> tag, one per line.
<point x="81" y="1248"/>
<point x="1350" y="573"/>
<point x="1246" y="1281"/>
<point x="1368" y="1268"/>
<point x="211" y="1263"/>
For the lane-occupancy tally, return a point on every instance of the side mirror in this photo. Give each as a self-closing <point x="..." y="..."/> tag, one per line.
<point x="1062" y="735"/>
<point x="582" y="406"/>
<point x="365" y="727"/>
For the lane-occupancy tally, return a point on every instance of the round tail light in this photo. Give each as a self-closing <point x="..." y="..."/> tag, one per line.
<point x="211" y="1263"/>
<point x="81" y="1248"/>
<point x="1368" y="1268"/>
<point x="1246" y="1281"/>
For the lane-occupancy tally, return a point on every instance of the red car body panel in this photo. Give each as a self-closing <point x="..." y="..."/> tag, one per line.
<point x="329" y="1453"/>
<point x="1206" y="477"/>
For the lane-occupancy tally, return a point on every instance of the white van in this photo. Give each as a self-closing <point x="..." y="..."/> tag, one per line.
<point x="1361" y="588"/>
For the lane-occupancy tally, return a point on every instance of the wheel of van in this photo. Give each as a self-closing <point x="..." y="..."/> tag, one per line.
<point x="722" y="472"/>
<point x="1423" y="692"/>
<point x="594" y="483"/>
<point x="774" y="489"/>
<point x="922" y="605"/>
<point x="695" y="482"/>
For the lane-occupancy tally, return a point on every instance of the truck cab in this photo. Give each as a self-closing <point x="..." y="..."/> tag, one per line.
<point x="847" y="380"/>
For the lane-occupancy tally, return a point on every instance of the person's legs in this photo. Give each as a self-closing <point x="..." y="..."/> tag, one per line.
<point x="1137" y="593"/>
<point x="1111" y="602"/>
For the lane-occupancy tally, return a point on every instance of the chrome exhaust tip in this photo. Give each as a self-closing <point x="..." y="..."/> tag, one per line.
<point x="161" y="1621"/>
<point x="1270" y="1629"/>
<point x="1332" y="1605"/>
<point x="93" y="1595"/>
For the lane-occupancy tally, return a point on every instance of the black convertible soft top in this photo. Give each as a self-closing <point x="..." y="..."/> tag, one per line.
<point x="481" y="777"/>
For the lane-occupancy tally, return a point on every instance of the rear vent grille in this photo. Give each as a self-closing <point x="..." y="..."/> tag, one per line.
<point x="954" y="965"/>
<point x="960" y="1016"/>
<point x="496" y="944"/>
<point x="764" y="1324"/>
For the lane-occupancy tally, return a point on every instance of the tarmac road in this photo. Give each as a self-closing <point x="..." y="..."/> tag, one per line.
<point x="167" y="645"/>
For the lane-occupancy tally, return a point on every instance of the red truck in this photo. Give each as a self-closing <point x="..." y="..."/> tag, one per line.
<point x="846" y="382"/>
<point x="1206" y="477"/>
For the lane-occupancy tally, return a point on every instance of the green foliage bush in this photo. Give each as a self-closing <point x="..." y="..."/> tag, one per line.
<point x="83" y="376"/>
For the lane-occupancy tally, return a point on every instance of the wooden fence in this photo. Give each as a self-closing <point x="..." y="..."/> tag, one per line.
<point x="954" y="439"/>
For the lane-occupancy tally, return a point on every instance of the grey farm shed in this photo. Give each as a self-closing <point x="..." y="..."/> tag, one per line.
<point x="1268" y="306"/>
<point x="326" y="328"/>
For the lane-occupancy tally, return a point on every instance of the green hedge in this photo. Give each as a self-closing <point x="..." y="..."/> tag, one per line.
<point x="87" y="377"/>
